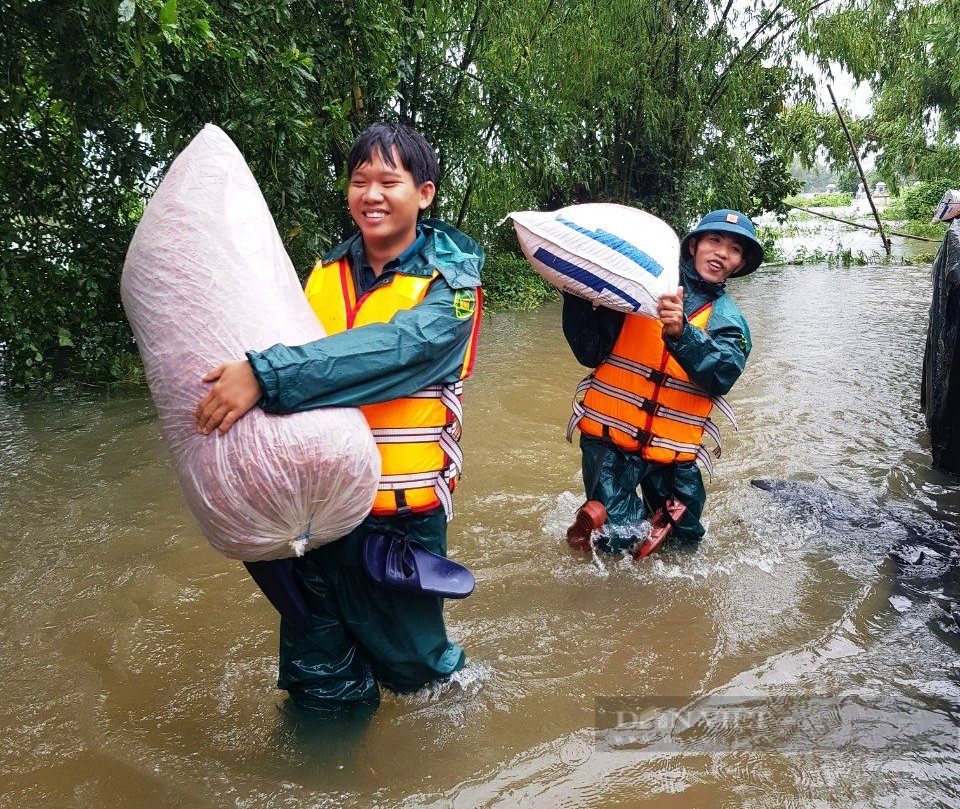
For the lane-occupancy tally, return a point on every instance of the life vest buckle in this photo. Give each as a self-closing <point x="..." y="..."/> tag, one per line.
<point x="644" y="437"/>
<point x="649" y="406"/>
<point x="657" y="377"/>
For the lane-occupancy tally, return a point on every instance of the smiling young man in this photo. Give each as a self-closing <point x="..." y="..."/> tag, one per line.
<point x="646" y="406"/>
<point x="401" y="304"/>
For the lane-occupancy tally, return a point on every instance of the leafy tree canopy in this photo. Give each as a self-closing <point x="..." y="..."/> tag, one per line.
<point x="674" y="105"/>
<point x="906" y="52"/>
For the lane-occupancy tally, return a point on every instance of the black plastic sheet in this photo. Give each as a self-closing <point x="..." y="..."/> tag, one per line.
<point x="940" y="391"/>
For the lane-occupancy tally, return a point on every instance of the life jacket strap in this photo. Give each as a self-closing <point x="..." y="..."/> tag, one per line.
<point x="644" y="404"/>
<point x="407" y="435"/>
<point x="447" y="436"/>
<point x="656" y="376"/>
<point x="643" y="437"/>
<point x="667" y="381"/>
<point x="448" y="394"/>
<point x="414" y="480"/>
<point x="577" y="406"/>
<point x="704" y="457"/>
<point x="711" y="429"/>
<point x="654" y="408"/>
<point x="436" y="391"/>
<point x="440" y="481"/>
<point x="724" y="407"/>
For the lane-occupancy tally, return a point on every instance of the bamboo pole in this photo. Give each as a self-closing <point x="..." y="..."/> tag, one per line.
<point x="861" y="225"/>
<point x="863" y="178"/>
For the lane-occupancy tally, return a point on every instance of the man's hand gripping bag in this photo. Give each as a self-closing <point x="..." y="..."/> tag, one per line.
<point x="612" y="255"/>
<point x="205" y="279"/>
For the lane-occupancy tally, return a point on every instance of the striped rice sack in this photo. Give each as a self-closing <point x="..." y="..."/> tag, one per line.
<point x="612" y="255"/>
<point x="949" y="207"/>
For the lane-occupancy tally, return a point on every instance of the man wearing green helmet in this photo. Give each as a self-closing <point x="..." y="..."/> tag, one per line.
<point x="646" y="406"/>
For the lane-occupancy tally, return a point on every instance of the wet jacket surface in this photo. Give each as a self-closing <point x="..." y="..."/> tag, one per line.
<point x="364" y="635"/>
<point x="422" y="346"/>
<point x="713" y="358"/>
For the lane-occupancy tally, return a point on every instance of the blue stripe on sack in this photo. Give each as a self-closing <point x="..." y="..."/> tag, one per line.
<point x="582" y="276"/>
<point x="621" y="246"/>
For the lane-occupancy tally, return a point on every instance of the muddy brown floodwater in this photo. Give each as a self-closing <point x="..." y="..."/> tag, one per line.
<point x="789" y="661"/>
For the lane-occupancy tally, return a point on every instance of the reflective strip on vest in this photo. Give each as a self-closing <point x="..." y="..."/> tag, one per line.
<point x="675" y="384"/>
<point x="404" y="449"/>
<point x="647" y="440"/>
<point x="653" y="408"/>
<point x="648" y="409"/>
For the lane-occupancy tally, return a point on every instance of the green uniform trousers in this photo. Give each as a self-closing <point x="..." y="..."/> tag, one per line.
<point x="612" y="476"/>
<point x="364" y="634"/>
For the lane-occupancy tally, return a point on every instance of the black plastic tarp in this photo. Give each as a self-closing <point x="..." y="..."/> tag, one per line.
<point x="940" y="392"/>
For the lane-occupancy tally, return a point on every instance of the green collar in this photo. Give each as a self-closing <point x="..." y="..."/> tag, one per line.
<point x="437" y="246"/>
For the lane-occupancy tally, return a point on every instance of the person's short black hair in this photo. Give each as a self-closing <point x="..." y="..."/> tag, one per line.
<point x="416" y="155"/>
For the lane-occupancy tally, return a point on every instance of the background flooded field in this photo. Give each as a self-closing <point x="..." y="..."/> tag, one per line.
<point x="810" y="238"/>
<point x="138" y="666"/>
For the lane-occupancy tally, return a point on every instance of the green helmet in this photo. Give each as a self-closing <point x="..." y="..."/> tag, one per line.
<point x="736" y="224"/>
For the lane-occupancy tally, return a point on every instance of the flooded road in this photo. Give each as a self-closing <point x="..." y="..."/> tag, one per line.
<point x="138" y="666"/>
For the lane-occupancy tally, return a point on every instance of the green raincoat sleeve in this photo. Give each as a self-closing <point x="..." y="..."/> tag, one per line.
<point x="714" y="358"/>
<point x="422" y="346"/>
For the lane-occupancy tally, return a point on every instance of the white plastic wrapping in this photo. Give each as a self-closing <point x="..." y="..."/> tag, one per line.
<point x="205" y="279"/>
<point x="949" y="206"/>
<point x="612" y="255"/>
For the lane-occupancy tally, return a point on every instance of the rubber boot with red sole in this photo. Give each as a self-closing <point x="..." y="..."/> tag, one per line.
<point x="591" y="516"/>
<point x="660" y="528"/>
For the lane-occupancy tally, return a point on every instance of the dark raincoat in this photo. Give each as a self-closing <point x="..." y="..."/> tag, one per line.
<point x="940" y="391"/>
<point x="713" y="358"/>
<point x="362" y="634"/>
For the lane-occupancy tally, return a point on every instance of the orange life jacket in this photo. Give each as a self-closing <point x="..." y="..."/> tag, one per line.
<point x="640" y="399"/>
<point x="417" y="435"/>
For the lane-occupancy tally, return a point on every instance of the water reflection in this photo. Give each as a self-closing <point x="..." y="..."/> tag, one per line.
<point x="139" y="666"/>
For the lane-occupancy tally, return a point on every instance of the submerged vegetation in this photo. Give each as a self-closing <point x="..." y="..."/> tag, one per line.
<point x="803" y="238"/>
<point x="836" y="199"/>
<point x="676" y="109"/>
<point x="917" y="203"/>
<point x="842" y="257"/>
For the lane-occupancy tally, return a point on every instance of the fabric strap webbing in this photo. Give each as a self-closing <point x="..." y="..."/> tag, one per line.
<point x="447" y="436"/>
<point x="580" y="411"/>
<point x="670" y="382"/>
<point x="657" y="409"/>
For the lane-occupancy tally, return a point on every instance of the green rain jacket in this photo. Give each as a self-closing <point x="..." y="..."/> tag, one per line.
<point x="376" y="635"/>
<point x="713" y="358"/>
<point x="421" y="346"/>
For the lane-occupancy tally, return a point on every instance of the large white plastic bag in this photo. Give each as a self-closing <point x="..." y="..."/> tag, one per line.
<point x="206" y="278"/>
<point x="612" y="255"/>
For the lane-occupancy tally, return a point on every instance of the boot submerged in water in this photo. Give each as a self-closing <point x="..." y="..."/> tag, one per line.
<point x="591" y="516"/>
<point x="660" y="525"/>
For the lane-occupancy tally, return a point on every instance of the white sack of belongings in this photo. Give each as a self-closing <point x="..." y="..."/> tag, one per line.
<point x="948" y="208"/>
<point x="205" y="279"/>
<point x="612" y="255"/>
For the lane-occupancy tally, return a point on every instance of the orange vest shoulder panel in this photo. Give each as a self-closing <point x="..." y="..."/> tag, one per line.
<point x="640" y="382"/>
<point x="416" y="435"/>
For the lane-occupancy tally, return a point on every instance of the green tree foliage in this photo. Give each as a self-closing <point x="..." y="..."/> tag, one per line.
<point x="98" y="96"/>
<point x="678" y="103"/>
<point x="673" y="106"/>
<point x="906" y="51"/>
<point x="919" y="202"/>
